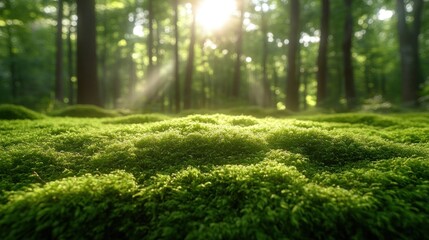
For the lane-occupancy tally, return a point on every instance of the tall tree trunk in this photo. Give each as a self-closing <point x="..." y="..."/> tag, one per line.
<point x="176" y="57"/>
<point x="187" y="94"/>
<point x="292" y="82"/>
<point x="239" y="52"/>
<point x="59" y="84"/>
<point x="265" y="52"/>
<point x="12" y="58"/>
<point x="70" y="59"/>
<point x="347" y="56"/>
<point x="322" y="60"/>
<point x="88" y="89"/>
<point x="409" y="52"/>
<point x="150" y="45"/>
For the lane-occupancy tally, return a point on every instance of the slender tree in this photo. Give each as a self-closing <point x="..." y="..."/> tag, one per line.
<point x="88" y="90"/>
<point x="322" y="60"/>
<point x="12" y="56"/>
<point x="292" y="82"/>
<point x="239" y="52"/>
<point x="409" y="51"/>
<point x="347" y="56"/>
<point x="59" y="83"/>
<point x="70" y="68"/>
<point x="187" y="94"/>
<point x="265" y="52"/>
<point x="150" y="39"/>
<point x="176" y="56"/>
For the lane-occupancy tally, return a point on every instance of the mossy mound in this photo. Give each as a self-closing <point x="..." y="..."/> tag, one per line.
<point x="15" y="112"/>
<point x="356" y="118"/>
<point x="354" y="176"/>
<point x="84" y="111"/>
<point x="139" y="119"/>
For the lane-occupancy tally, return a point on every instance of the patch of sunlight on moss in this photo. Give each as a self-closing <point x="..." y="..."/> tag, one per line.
<point x="193" y="144"/>
<point x="138" y="119"/>
<point x="332" y="148"/>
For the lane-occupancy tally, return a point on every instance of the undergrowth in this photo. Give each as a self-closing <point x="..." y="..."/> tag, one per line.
<point x="341" y="176"/>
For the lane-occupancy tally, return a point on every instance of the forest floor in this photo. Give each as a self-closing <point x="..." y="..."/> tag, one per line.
<point x="338" y="176"/>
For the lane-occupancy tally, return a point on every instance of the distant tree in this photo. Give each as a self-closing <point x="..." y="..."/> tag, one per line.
<point x="70" y="54"/>
<point x="176" y="56"/>
<point x="349" y="84"/>
<point x="322" y="59"/>
<point x="11" y="55"/>
<point x="150" y="39"/>
<point x="187" y="94"/>
<point x="265" y="52"/>
<point x="59" y="83"/>
<point x="88" y="90"/>
<point x="292" y="81"/>
<point x="409" y="51"/>
<point x="239" y="52"/>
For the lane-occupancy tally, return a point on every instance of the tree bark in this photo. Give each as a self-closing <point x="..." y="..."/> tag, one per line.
<point x="150" y="48"/>
<point x="265" y="52"/>
<point x="12" y="58"/>
<point x="349" y="84"/>
<point x="409" y="52"/>
<point x="59" y="84"/>
<point x="187" y="94"/>
<point x="239" y="52"/>
<point x="70" y="59"/>
<point x="292" y="82"/>
<point x="322" y="60"/>
<point x="176" y="57"/>
<point x="88" y="89"/>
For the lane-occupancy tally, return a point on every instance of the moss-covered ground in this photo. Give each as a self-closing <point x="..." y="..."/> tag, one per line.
<point x="339" y="176"/>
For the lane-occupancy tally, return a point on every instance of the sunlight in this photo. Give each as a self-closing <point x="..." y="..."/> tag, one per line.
<point x="384" y="14"/>
<point x="213" y="14"/>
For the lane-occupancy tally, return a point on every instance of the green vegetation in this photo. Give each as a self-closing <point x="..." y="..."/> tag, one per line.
<point x="84" y="111"/>
<point x="14" y="112"/>
<point x="339" y="176"/>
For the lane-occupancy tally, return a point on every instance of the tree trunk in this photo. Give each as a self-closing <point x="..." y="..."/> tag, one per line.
<point x="409" y="52"/>
<point x="187" y="94"/>
<point x="292" y="82"/>
<point x="265" y="52"/>
<point x="70" y="59"/>
<point x="59" y="84"/>
<point x="239" y="52"/>
<point x="88" y="89"/>
<point x="322" y="60"/>
<point x="12" y="58"/>
<point x="347" y="56"/>
<point x="150" y="48"/>
<point x="176" y="57"/>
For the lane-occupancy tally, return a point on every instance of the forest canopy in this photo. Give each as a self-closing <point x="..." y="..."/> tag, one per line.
<point x="175" y="55"/>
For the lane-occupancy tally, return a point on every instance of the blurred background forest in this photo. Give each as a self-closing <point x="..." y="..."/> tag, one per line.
<point x="173" y="55"/>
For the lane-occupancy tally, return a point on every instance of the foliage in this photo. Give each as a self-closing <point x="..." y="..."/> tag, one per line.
<point x="84" y="111"/>
<point x="339" y="176"/>
<point x="15" y="112"/>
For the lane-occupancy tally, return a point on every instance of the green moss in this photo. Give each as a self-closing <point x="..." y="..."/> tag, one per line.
<point x="340" y="176"/>
<point x="96" y="205"/>
<point x="15" y="112"/>
<point x="84" y="111"/>
<point x="138" y="119"/>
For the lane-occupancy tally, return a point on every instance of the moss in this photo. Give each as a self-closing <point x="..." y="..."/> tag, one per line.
<point x="15" y="112"/>
<point x="84" y="111"/>
<point x="138" y="119"/>
<point x="340" y="176"/>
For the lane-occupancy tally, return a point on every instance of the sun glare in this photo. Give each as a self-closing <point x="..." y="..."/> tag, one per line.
<point x="213" y="14"/>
